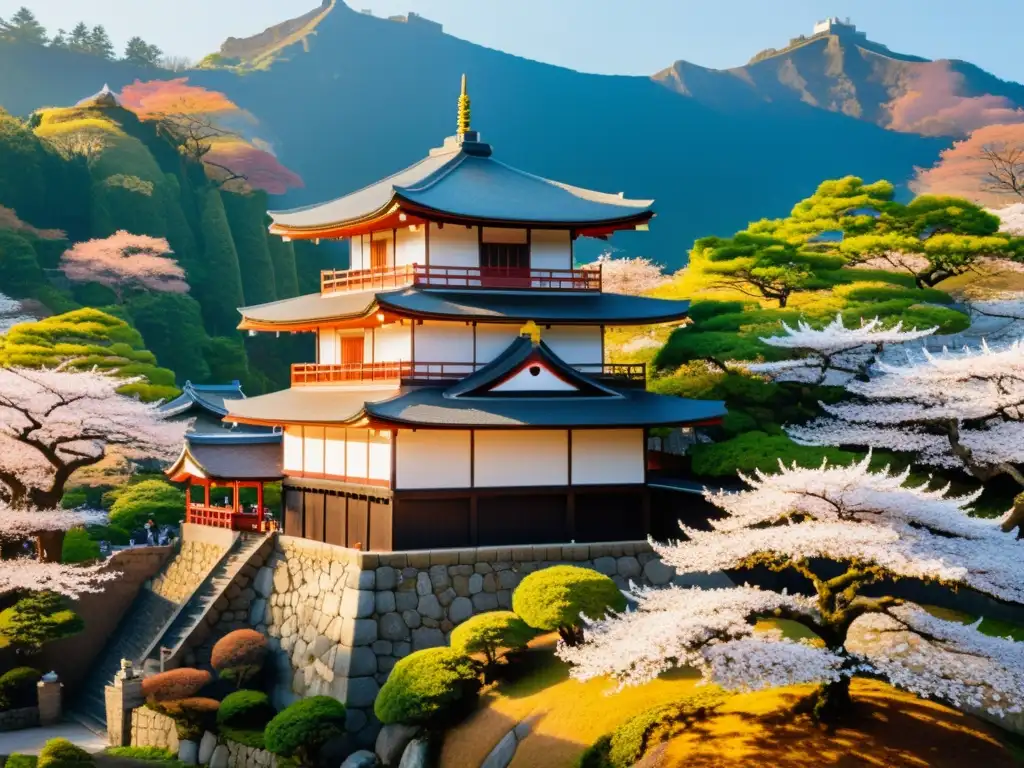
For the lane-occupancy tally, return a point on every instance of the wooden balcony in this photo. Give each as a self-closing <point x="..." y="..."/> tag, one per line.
<point x="226" y="517"/>
<point x="340" y="281"/>
<point x="306" y="374"/>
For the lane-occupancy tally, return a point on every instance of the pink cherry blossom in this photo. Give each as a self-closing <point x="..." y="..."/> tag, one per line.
<point x="123" y="260"/>
<point x="25" y="574"/>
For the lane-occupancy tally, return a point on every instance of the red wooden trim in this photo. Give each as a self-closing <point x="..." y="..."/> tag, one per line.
<point x="304" y="374"/>
<point x="335" y="280"/>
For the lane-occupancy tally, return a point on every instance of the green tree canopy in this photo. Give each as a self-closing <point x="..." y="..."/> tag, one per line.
<point x="37" y="619"/>
<point x="553" y="599"/>
<point x="78" y="40"/>
<point x="99" y="43"/>
<point x="23" y="27"/>
<point x="144" y="54"/>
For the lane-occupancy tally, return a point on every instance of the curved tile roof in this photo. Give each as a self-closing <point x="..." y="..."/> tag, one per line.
<point x="462" y="180"/>
<point x="576" y="307"/>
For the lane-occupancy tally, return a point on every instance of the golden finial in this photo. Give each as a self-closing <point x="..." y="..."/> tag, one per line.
<point x="532" y="330"/>
<point x="463" y="109"/>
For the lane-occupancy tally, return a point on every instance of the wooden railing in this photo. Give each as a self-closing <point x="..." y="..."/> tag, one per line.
<point x="224" y="517"/>
<point x="508" y="278"/>
<point x="316" y="373"/>
<point x="304" y="374"/>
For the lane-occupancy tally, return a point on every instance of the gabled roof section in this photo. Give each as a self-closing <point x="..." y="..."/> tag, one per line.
<point x="308" y="405"/>
<point x="462" y="181"/>
<point x="206" y="397"/>
<point x="235" y="457"/>
<point x="528" y="369"/>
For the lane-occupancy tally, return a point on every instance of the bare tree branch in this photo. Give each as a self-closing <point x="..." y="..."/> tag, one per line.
<point x="1006" y="169"/>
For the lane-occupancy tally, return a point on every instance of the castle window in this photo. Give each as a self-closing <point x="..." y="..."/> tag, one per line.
<point x="509" y="257"/>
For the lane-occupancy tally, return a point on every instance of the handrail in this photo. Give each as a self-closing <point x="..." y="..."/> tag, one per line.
<point x="333" y="373"/>
<point x="507" y="278"/>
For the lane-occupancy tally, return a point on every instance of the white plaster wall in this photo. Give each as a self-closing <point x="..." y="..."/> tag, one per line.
<point x="492" y="339"/>
<point x="292" y="440"/>
<point x="438" y="342"/>
<point x="433" y="458"/>
<point x="313" y="456"/>
<point x="575" y="344"/>
<point x="356" y="256"/>
<point x="550" y="249"/>
<point x="607" y="456"/>
<point x="544" y="381"/>
<point x="454" y="246"/>
<point x="521" y="457"/>
<point x="380" y="456"/>
<point x="504" y="235"/>
<point x="329" y="351"/>
<point x="411" y="246"/>
<point x="334" y="452"/>
<point x="355" y="453"/>
<point x="390" y="344"/>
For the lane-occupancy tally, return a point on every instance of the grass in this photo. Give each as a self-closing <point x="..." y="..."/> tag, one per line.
<point x="889" y="727"/>
<point x="992" y="627"/>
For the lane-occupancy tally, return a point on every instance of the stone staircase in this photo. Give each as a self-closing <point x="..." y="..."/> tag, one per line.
<point x="154" y="622"/>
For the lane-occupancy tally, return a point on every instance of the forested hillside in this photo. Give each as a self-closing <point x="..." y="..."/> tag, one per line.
<point x="87" y="173"/>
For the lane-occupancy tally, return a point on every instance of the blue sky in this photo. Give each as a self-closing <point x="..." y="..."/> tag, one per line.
<point x="606" y="36"/>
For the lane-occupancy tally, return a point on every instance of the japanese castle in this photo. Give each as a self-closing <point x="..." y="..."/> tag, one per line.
<point x="460" y="395"/>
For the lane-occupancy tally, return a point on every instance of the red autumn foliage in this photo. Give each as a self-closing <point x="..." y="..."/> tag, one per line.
<point x="194" y="707"/>
<point x="261" y="169"/>
<point x="157" y="97"/>
<point x="9" y="220"/>
<point x="239" y="654"/>
<point x="175" y="684"/>
<point x="961" y="170"/>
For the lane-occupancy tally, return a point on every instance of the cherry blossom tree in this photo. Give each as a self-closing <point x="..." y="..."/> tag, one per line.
<point x="835" y="354"/>
<point x="124" y="261"/>
<point x="24" y="574"/>
<point x="871" y="526"/>
<point x="55" y="422"/>
<point x="961" y="410"/>
<point x="634" y="276"/>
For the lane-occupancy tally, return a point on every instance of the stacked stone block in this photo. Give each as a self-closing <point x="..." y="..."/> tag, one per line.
<point x="187" y="570"/>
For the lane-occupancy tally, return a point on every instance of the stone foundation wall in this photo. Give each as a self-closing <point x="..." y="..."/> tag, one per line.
<point x="241" y="756"/>
<point x="187" y="570"/>
<point x="151" y="729"/>
<point x="16" y="719"/>
<point x="339" y="619"/>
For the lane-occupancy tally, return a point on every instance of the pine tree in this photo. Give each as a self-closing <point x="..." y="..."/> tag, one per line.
<point x="23" y="28"/>
<point x="139" y="52"/>
<point x="59" y="40"/>
<point x="79" y="38"/>
<point x="245" y="215"/>
<point x="100" y="44"/>
<point x="285" y="277"/>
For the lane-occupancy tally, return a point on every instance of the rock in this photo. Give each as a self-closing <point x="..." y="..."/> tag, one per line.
<point x="439" y="578"/>
<point x="387" y="578"/>
<point x="658" y="573"/>
<point x="401" y="650"/>
<point x="460" y="610"/>
<point x="219" y="758"/>
<point x="505" y="599"/>
<point x="445" y="598"/>
<point x="483" y="568"/>
<point x="257" y="610"/>
<point x="188" y="752"/>
<point x="357" y="604"/>
<point x="476" y="583"/>
<point x="490" y="583"/>
<point x="411" y="618"/>
<point x="382" y="648"/>
<point x="628" y="567"/>
<point x="319" y="646"/>
<point x="606" y="565"/>
<point x="393" y="626"/>
<point x="281" y="581"/>
<point x="385" y="602"/>
<point x="367" y="579"/>
<point x="364" y="758"/>
<point x="332" y="602"/>
<point x="392" y="741"/>
<point x="289" y="626"/>
<point x="426" y="637"/>
<point x="355" y="662"/>
<point x="416" y="755"/>
<point x="359" y="631"/>
<point x="423" y="586"/>
<point x="430" y="607"/>
<point x="355" y="720"/>
<point x="406" y="601"/>
<point x="508" y="580"/>
<point x="485" y="601"/>
<point x="502" y="753"/>
<point x="264" y="582"/>
<point x="356" y="691"/>
<point x="460" y="584"/>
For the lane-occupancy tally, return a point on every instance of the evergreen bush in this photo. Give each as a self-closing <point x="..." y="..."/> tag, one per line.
<point x="79" y="547"/>
<point x="553" y="599"/>
<point x="300" y="731"/>
<point x="61" y="753"/>
<point x="243" y="717"/>
<point x="174" y="684"/>
<point x="429" y="687"/>
<point x="18" y="688"/>
<point x="492" y="634"/>
<point x="135" y="503"/>
<point x="239" y="655"/>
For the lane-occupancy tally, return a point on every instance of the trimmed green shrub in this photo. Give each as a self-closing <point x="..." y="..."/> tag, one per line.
<point x="136" y="503"/>
<point x="492" y="634"/>
<point x="220" y="299"/>
<point x="61" y="753"/>
<point x="245" y="709"/>
<point x="300" y="731"/>
<point x="20" y="273"/>
<point x="239" y="655"/>
<point x="164" y="319"/>
<point x="628" y="743"/>
<point x="245" y="214"/>
<point x="553" y="599"/>
<point x="37" y="619"/>
<point x="18" y="760"/>
<point x="192" y="715"/>
<point x="429" y="687"/>
<point x="79" y="547"/>
<point x="174" y="684"/>
<point x="18" y="688"/>
<point x="142" y="753"/>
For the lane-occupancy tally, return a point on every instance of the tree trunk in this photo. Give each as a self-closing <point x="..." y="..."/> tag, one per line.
<point x="782" y="301"/>
<point x="571" y="636"/>
<point x="831" y="703"/>
<point x="50" y="545"/>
